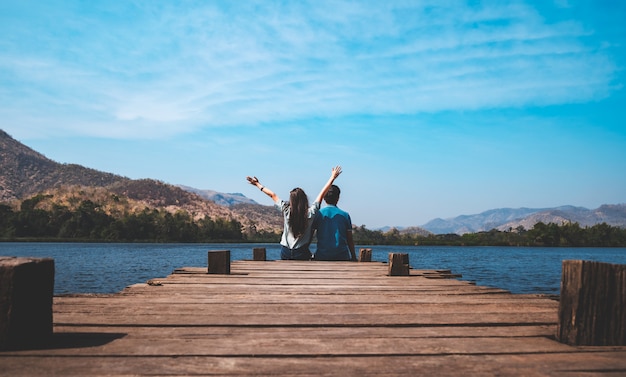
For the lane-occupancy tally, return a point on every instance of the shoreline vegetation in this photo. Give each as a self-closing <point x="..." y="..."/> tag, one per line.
<point x="89" y="223"/>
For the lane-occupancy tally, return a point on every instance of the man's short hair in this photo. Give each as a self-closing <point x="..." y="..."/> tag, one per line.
<point x="332" y="195"/>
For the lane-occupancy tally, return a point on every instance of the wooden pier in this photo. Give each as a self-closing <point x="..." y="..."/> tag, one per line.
<point x="308" y="319"/>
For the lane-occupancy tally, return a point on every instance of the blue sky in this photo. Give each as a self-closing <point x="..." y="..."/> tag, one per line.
<point x="433" y="108"/>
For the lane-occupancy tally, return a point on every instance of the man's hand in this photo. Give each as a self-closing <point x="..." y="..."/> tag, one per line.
<point x="336" y="171"/>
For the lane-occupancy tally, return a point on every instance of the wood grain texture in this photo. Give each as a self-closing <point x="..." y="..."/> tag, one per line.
<point x="309" y="318"/>
<point x="592" y="309"/>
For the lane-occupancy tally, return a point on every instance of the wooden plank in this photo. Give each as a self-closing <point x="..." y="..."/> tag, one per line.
<point x="274" y="332"/>
<point x="66" y="303"/>
<point x="236" y="309"/>
<point x="536" y="364"/>
<point x="314" y="346"/>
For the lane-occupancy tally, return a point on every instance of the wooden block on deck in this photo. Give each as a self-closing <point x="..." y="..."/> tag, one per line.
<point x="365" y="255"/>
<point x="259" y="254"/>
<point x="26" y="290"/>
<point x="219" y="262"/>
<point x="398" y="264"/>
<point x="592" y="306"/>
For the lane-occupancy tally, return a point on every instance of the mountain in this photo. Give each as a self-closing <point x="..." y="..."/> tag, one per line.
<point x="25" y="172"/>
<point x="415" y="230"/>
<point x="511" y="218"/>
<point x="243" y="206"/>
<point x="411" y="230"/>
<point x="259" y="216"/>
<point x="614" y="215"/>
<point x="474" y="223"/>
<point x="220" y="197"/>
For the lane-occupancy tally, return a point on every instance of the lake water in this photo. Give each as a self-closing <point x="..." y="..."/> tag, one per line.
<point x="109" y="267"/>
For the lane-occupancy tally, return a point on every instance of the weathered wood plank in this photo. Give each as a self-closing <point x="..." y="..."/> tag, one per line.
<point x="275" y="332"/>
<point x="158" y="319"/>
<point x="235" y="309"/>
<point x="320" y="347"/>
<point x="537" y="364"/>
<point x="65" y="303"/>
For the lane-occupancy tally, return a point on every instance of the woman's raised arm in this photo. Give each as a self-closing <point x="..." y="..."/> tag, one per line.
<point x="254" y="181"/>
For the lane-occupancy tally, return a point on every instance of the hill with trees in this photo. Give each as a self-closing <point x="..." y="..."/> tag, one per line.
<point x="28" y="176"/>
<point x="26" y="172"/>
<point x="545" y="235"/>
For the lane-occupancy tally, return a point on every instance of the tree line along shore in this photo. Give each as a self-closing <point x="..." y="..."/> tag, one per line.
<point x="89" y="223"/>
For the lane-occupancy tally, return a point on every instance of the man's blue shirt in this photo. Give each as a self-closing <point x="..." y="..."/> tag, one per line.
<point x="332" y="225"/>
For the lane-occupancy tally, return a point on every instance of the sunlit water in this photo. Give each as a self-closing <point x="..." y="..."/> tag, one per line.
<point x="109" y="267"/>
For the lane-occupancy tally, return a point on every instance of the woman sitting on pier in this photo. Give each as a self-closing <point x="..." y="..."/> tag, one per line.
<point x="298" y="217"/>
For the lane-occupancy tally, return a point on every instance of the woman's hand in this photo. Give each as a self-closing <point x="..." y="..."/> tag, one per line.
<point x="253" y="180"/>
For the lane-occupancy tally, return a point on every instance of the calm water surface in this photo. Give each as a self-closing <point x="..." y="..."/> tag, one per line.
<point x="108" y="268"/>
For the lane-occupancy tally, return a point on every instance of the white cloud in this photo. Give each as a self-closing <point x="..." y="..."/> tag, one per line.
<point x="171" y="69"/>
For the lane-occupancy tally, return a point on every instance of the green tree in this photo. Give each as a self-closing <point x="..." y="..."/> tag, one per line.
<point x="32" y="221"/>
<point x="7" y="221"/>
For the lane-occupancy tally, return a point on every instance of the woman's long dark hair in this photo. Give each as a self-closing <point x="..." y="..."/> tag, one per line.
<point x="299" y="210"/>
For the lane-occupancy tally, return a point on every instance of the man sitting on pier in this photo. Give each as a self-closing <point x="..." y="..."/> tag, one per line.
<point x="334" y="230"/>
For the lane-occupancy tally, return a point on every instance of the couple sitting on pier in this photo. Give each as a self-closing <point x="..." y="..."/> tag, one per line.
<point x="333" y="225"/>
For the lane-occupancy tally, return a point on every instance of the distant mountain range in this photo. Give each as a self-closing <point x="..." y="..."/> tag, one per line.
<point x="512" y="218"/>
<point x="25" y="172"/>
<point x="220" y="197"/>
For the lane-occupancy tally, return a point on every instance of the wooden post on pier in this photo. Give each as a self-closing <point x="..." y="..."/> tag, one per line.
<point x="26" y="290"/>
<point x="398" y="264"/>
<point x="592" y="306"/>
<point x="365" y="255"/>
<point x="219" y="262"/>
<point x="259" y="254"/>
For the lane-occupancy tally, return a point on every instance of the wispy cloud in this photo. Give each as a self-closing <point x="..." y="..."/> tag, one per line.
<point x="132" y="69"/>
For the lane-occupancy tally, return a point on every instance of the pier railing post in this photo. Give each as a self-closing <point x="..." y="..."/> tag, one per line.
<point x="365" y="255"/>
<point x="398" y="264"/>
<point x="26" y="291"/>
<point x="219" y="262"/>
<point x="592" y="305"/>
<point x="258" y="254"/>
